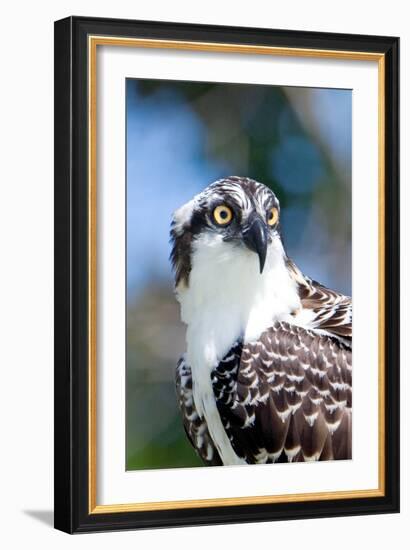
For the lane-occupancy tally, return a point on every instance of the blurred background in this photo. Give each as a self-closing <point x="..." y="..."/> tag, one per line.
<point x="181" y="136"/>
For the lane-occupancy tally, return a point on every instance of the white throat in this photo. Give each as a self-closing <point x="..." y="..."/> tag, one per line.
<point x="227" y="299"/>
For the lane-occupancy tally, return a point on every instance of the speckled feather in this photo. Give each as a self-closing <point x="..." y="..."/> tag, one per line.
<point x="195" y="427"/>
<point x="285" y="397"/>
<point x="332" y="310"/>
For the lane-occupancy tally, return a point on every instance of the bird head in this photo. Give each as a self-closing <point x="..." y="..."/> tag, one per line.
<point x="230" y="215"/>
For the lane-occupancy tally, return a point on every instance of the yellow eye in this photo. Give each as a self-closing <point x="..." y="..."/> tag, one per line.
<point x="222" y="214"/>
<point x="273" y="216"/>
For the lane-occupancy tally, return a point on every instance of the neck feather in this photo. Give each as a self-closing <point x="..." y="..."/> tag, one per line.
<point x="228" y="299"/>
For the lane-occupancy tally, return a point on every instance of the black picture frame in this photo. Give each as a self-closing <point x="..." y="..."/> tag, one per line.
<point x="71" y="491"/>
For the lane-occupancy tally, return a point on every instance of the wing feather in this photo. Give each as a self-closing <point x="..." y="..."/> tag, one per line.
<point x="332" y="310"/>
<point x="195" y="427"/>
<point x="287" y="396"/>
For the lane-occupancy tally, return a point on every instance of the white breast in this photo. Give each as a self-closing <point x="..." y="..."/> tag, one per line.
<point x="228" y="299"/>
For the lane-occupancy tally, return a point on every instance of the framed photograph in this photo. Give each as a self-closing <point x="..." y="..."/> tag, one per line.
<point x="226" y="274"/>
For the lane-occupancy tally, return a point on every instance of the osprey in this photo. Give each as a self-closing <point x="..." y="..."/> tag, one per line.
<point x="267" y="372"/>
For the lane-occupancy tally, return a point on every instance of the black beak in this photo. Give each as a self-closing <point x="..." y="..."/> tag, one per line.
<point x="255" y="236"/>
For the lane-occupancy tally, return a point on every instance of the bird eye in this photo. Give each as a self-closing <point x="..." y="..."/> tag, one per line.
<point x="222" y="214"/>
<point x="273" y="216"/>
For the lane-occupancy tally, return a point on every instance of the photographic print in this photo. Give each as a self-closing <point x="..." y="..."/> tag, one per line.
<point x="239" y="315"/>
<point x="223" y="197"/>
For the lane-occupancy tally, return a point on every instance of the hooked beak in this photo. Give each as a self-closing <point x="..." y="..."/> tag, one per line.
<point x="255" y="236"/>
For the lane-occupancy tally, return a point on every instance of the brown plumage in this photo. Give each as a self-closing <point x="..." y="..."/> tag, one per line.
<point x="195" y="427"/>
<point x="287" y="396"/>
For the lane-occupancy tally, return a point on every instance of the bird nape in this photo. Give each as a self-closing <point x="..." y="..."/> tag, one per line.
<point x="267" y="373"/>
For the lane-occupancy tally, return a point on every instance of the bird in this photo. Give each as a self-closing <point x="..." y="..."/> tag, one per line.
<point x="267" y="372"/>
